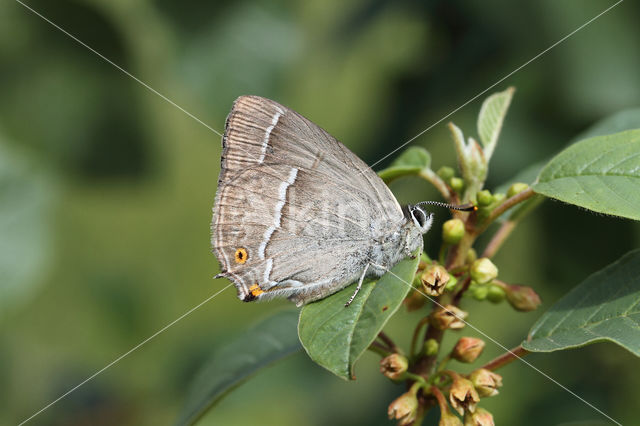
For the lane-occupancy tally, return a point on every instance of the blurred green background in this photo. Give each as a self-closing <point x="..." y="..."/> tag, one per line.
<point x="106" y="189"/>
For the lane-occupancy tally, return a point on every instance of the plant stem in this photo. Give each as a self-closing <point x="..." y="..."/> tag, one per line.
<point x="442" y="253"/>
<point x="426" y="364"/>
<point x="443" y="363"/>
<point x="386" y="339"/>
<point x="499" y="238"/>
<point x="416" y="332"/>
<point x="506" y="358"/>
<point x="435" y="180"/>
<point x="463" y="288"/>
<point x="417" y="378"/>
<point x="442" y="402"/>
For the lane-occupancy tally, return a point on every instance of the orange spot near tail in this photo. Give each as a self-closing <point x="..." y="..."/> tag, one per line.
<point x="255" y="290"/>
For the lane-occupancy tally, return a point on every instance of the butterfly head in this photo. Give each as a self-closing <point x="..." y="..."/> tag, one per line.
<point x="420" y="218"/>
<point x="419" y="221"/>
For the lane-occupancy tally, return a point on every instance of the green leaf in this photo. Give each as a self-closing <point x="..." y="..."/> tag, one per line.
<point x="412" y="161"/>
<point x="471" y="162"/>
<point x="335" y="336"/>
<point x="623" y="120"/>
<point x="601" y="174"/>
<point x="26" y="195"/>
<point x="267" y="342"/>
<point x="490" y="119"/>
<point x="604" y="307"/>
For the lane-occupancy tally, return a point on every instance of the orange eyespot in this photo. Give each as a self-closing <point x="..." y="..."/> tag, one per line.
<point x="255" y="290"/>
<point x="241" y="255"/>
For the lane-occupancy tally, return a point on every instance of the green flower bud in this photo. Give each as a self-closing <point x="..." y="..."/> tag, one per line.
<point x="471" y="256"/>
<point x="416" y="281"/>
<point x="481" y="417"/>
<point x="431" y="347"/>
<point x="445" y="173"/>
<point x="498" y="198"/>
<point x="457" y="184"/>
<point x="483" y="270"/>
<point x="516" y="188"/>
<point x="451" y="284"/>
<point x="484" y="198"/>
<point x="495" y="294"/>
<point x="467" y="349"/>
<point x="453" y="231"/>
<point x="522" y="298"/>
<point x="479" y="291"/>
<point x="394" y="366"/>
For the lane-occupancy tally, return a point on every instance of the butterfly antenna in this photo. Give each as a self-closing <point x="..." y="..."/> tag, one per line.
<point x="464" y="207"/>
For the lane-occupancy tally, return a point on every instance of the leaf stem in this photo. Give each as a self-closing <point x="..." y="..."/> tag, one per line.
<point x="435" y="180"/>
<point x="506" y="205"/>
<point x="506" y="358"/>
<point x="379" y="349"/>
<point x="499" y="238"/>
<point x="387" y="340"/>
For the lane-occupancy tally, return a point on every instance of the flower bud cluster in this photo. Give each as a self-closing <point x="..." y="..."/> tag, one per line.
<point x="448" y="175"/>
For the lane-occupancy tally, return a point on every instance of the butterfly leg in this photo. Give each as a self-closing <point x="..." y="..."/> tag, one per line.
<point x="353" y="296"/>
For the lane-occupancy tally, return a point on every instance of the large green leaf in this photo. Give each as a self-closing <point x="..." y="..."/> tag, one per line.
<point x="335" y="336"/>
<point x="412" y="161"/>
<point x="618" y="122"/>
<point x="604" y="307"/>
<point x="490" y="119"/>
<point x="601" y="174"/>
<point x="269" y="341"/>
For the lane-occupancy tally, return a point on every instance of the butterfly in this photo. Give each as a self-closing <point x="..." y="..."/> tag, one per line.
<point x="297" y="214"/>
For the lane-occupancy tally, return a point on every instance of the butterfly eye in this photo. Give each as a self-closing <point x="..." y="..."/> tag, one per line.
<point x="241" y="255"/>
<point x="419" y="218"/>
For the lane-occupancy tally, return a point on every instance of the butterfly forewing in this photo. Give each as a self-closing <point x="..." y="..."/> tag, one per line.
<point x="295" y="209"/>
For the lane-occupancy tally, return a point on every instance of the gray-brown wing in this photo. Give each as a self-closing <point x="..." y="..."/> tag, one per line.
<point x="295" y="210"/>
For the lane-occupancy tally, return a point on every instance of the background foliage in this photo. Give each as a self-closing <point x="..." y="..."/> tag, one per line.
<point x="106" y="189"/>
